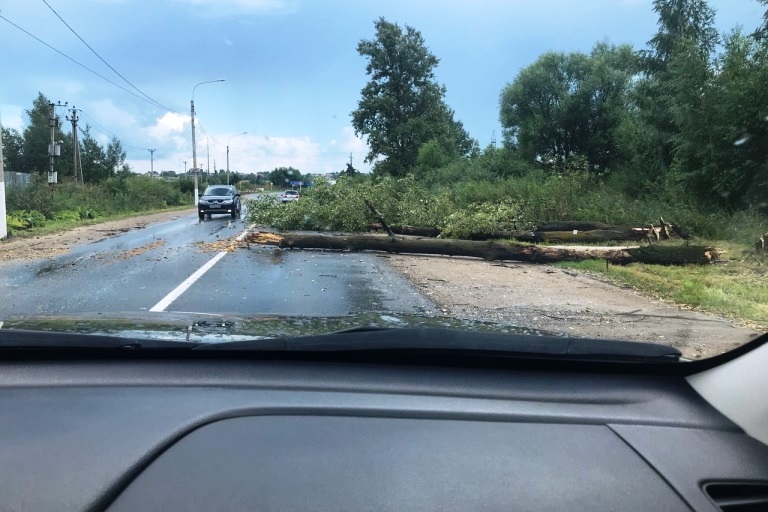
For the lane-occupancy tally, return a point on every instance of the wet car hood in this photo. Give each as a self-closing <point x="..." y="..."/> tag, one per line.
<point x="209" y="328"/>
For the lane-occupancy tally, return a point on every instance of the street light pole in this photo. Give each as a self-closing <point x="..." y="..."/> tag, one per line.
<point x="192" y="115"/>
<point x="151" y="163"/>
<point x="229" y="139"/>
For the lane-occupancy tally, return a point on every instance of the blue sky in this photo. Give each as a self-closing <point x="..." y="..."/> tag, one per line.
<point x="291" y="67"/>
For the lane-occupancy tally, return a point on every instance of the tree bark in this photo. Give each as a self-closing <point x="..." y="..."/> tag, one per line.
<point x="598" y="235"/>
<point x="594" y="235"/>
<point x="663" y="255"/>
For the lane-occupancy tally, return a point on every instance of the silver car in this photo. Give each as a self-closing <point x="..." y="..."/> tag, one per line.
<point x="289" y="195"/>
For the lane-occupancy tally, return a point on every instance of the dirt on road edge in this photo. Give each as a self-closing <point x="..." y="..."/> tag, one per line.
<point x="55" y="244"/>
<point x="562" y="300"/>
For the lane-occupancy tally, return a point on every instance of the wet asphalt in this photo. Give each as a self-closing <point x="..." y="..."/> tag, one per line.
<point x="105" y="276"/>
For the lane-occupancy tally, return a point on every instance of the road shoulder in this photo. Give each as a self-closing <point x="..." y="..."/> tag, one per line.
<point x="562" y="300"/>
<point x="55" y="244"/>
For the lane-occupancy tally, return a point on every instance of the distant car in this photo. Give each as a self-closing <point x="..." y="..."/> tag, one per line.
<point x="219" y="200"/>
<point x="289" y="195"/>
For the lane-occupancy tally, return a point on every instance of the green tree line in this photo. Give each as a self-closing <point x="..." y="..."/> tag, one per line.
<point x="27" y="151"/>
<point x="688" y="112"/>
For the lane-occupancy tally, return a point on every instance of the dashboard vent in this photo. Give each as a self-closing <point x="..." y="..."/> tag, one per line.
<point x="739" y="496"/>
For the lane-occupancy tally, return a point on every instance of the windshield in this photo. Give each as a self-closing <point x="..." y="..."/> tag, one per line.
<point x="592" y="169"/>
<point x="218" y="191"/>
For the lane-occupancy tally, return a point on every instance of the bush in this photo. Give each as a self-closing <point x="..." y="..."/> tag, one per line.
<point x="24" y="219"/>
<point x="76" y="201"/>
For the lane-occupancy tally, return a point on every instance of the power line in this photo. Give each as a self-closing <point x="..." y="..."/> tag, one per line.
<point x="86" y="67"/>
<point x="102" y="59"/>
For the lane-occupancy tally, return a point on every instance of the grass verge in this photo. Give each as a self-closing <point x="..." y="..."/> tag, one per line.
<point x="736" y="288"/>
<point x="57" y="226"/>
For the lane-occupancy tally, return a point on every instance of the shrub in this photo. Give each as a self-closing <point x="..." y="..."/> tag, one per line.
<point x="24" y="219"/>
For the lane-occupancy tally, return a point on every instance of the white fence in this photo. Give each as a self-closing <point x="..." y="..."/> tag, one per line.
<point x="17" y="179"/>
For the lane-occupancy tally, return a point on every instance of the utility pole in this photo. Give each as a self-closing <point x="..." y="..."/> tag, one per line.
<point x="350" y="160"/>
<point x="185" y="167"/>
<point x="229" y="139"/>
<point x="54" y="149"/>
<point x="208" y="151"/>
<point x="151" y="163"/>
<point x="194" y="147"/>
<point x="3" y="221"/>
<point x="75" y="143"/>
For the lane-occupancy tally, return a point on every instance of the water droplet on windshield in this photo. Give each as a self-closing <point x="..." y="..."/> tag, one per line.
<point x="742" y="140"/>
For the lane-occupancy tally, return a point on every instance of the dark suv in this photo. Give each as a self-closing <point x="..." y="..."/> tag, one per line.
<point x="219" y="199"/>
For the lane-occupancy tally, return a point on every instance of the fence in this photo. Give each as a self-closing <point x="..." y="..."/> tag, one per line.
<point x="17" y="179"/>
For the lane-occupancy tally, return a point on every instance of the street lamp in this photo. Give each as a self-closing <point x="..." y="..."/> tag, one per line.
<point x="229" y="139"/>
<point x="192" y="114"/>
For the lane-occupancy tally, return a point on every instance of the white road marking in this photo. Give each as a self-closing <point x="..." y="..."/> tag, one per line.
<point x="184" y="286"/>
<point x="176" y="293"/>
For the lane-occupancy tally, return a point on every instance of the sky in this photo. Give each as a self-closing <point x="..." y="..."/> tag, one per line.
<point x="291" y="69"/>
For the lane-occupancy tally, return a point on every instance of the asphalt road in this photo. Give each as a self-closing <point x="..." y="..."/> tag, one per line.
<point x="163" y="268"/>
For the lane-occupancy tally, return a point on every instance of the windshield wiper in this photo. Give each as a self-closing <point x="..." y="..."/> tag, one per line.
<point x="368" y="342"/>
<point x="458" y="342"/>
<point x="13" y="339"/>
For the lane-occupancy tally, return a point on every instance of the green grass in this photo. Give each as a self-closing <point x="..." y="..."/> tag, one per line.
<point x="57" y="226"/>
<point x="736" y="288"/>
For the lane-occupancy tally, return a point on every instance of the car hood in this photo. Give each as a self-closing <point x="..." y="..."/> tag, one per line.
<point x="217" y="198"/>
<point x="212" y="328"/>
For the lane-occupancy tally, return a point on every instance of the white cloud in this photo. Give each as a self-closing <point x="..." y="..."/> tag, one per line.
<point x="167" y="127"/>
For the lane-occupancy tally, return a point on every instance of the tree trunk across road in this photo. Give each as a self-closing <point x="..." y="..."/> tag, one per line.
<point x="663" y="255"/>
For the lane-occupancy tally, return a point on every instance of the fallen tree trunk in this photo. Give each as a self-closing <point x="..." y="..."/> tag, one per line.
<point x="601" y="235"/>
<point x="664" y="255"/>
<point x="594" y="235"/>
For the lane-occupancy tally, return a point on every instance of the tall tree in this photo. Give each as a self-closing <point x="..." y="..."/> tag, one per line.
<point x="679" y="20"/>
<point x="402" y="107"/>
<point x="114" y="157"/>
<point x="686" y="27"/>
<point x="568" y="104"/>
<point x="13" y="150"/>
<point x="721" y="146"/>
<point x="93" y="158"/>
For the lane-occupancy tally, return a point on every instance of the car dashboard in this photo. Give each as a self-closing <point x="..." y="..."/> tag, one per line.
<point x="254" y="434"/>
